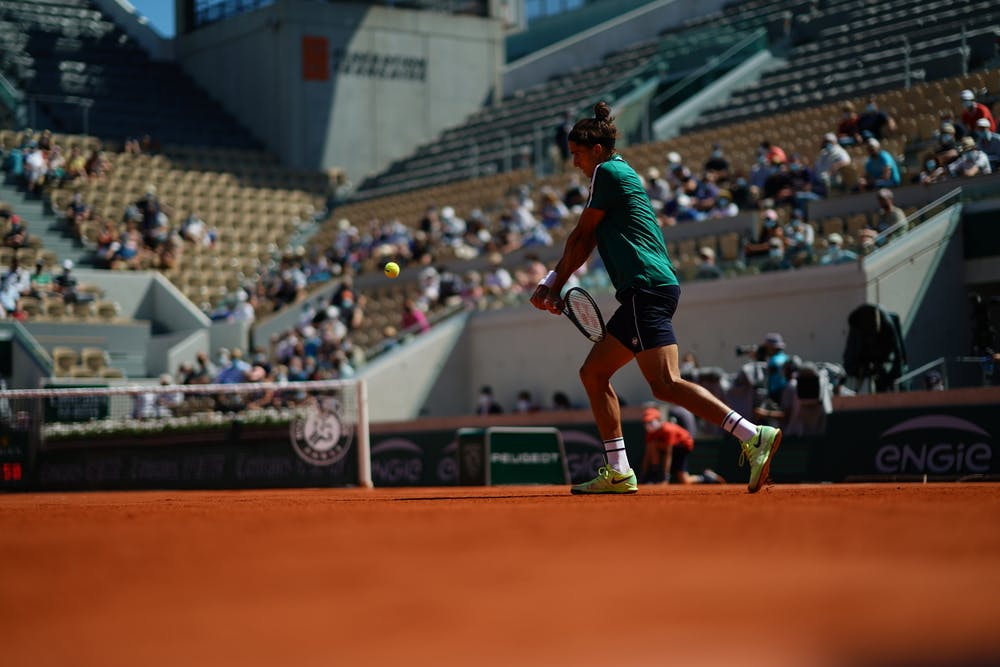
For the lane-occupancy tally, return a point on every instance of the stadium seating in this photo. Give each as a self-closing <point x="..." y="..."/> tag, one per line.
<point x="59" y="49"/>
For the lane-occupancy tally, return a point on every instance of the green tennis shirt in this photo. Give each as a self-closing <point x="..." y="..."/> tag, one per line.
<point x="628" y="238"/>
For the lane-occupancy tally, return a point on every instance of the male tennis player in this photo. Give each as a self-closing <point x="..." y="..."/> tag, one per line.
<point x="619" y="221"/>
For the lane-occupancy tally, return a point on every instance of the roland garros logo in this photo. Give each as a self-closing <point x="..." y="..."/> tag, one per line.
<point x="318" y="434"/>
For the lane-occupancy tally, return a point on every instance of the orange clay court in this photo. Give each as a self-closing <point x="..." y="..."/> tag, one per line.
<point x="881" y="574"/>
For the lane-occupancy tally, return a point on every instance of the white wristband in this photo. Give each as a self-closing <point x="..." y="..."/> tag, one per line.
<point x="549" y="279"/>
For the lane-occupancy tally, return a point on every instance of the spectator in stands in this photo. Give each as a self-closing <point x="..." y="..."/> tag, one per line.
<point x="946" y="151"/>
<point x="760" y="249"/>
<point x="772" y="153"/>
<point x="724" y="207"/>
<point x="707" y="268"/>
<point x="204" y="371"/>
<point x="972" y="161"/>
<point x="799" y="239"/>
<point x="77" y="210"/>
<point x="76" y="164"/>
<point x="235" y="370"/>
<point x="194" y="229"/>
<point x="889" y="216"/>
<point x="56" y="165"/>
<point x="560" y="401"/>
<point x="10" y="295"/>
<point x="525" y="404"/>
<point x="847" y="129"/>
<point x="131" y="146"/>
<point x="35" y="169"/>
<point x="930" y="171"/>
<point x="18" y="277"/>
<point x="243" y="310"/>
<point x="873" y="122"/>
<point x="414" y="320"/>
<point x="486" y="403"/>
<point x="657" y="188"/>
<point x="831" y="160"/>
<point x="497" y="281"/>
<point x="988" y="142"/>
<point x="717" y="164"/>
<point x="947" y="118"/>
<point x="835" y="252"/>
<point x="41" y="281"/>
<point x="973" y="111"/>
<point x="775" y="259"/>
<point x="552" y="210"/>
<point x="881" y="170"/>
<point x="779" y="186"/>
<point x="16" y="235"/>
<point x="98" y="165"/>
<point x="760" y="171"/>
<point x="452" y="226"/>
<point x="65" y="284"/>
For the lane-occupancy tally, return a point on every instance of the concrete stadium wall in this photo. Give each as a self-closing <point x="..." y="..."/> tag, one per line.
<point x="586" y="48"/>
<point x="348" y="85"/>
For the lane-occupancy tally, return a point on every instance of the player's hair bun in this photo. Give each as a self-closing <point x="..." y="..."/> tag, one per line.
<point x="602" y="112"/>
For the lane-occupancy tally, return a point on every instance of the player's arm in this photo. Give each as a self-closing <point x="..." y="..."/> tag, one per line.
<point x="579" y="245"/>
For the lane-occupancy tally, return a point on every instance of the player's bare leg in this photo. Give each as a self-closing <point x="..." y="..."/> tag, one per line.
<point x="661" y="368"/>
<point x="605" y="358"/>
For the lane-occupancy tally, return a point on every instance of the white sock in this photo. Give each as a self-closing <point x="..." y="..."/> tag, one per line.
<point x="739" y="426"/>
<point x="614" y="451"/>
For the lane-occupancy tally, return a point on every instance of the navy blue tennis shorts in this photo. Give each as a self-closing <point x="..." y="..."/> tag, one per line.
<point x="644" y="321"/>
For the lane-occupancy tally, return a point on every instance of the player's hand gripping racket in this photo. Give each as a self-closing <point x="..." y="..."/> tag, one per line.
<point x="582" y="310"/>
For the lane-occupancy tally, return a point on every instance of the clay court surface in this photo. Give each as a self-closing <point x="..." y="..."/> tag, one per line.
<point x="891" y="574"/>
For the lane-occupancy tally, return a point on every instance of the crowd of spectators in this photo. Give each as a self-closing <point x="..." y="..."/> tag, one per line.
<point x="778" y="187"/>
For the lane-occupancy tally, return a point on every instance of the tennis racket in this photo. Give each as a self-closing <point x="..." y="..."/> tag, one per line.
<point x="582" y="310"/>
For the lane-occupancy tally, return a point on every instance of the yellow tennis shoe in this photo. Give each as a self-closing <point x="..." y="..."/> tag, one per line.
<point x="759" y="451"/>
<point x="608" y="481"/>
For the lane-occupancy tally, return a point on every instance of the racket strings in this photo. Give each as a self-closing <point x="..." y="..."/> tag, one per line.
<point x="585" y="312"/>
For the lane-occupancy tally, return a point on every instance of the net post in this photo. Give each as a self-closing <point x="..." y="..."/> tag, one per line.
<point x="364" y="442"/>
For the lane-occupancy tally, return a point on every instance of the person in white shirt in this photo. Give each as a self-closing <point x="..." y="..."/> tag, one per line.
<point x="831" y="159"/>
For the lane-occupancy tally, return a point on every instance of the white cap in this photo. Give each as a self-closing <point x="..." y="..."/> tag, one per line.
<point x="831" y="137"/>
<point x="968" y="95"/>
<point x="983" y="122"/>
<point x="873" y="142"/>
<point x="835" y="238"/>
<point x="67" y="264"/>
<point x="673" y="157"/>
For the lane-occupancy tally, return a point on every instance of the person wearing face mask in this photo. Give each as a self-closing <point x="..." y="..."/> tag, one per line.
<point x="972" y="161"/>
<point x="972" y="111"/>
<point x="988" y="142"/>
<point x="831" y="159"/>
<point x="931" y="171"/>
<point x="946" y="149"/>
<point x="873" y="122"/>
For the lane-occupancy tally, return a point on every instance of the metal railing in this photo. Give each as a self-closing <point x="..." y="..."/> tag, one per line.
<point x="939" y="363"/>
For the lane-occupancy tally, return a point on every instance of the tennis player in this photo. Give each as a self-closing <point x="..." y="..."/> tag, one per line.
<point x="619" y="221"/>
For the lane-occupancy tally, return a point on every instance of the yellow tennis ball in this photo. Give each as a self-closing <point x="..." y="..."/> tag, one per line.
<point x="392" y="269"/>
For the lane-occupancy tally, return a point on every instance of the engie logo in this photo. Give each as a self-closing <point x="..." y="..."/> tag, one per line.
<point x="584" y="455"/>
<point x="397" y="461"/>
<point x="935" y="444"/>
